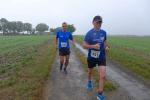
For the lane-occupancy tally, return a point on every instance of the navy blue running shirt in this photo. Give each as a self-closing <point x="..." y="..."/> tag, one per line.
<point x="94" y="37"/>
<point x="63" y="39"/>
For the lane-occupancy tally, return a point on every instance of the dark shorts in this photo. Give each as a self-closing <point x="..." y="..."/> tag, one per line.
<point x="92" y="64"/>
<point x="64" y="52"/>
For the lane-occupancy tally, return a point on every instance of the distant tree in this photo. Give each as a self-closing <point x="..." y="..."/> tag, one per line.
<point x="4" y="24"/>
<point x="33" y="31"/>
<point x="0" y="28"/>
<point x="71" y="28"/>
<point x="12" y="28"/>
<point x="27" y="27"/>
<point x="52" y="31"/>
<point x="42" y="27"/>
<point x="19" y="26"/>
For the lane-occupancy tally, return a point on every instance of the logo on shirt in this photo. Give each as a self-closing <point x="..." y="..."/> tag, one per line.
<point x="102" y="38"/>
<point x="94" y="33"/>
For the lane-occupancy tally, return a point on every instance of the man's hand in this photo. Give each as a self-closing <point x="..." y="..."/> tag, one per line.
<point x="107" y="49"/>
<point x="87" y="46"/>
<point x="74" y="43"/>
<point x="56" y="46"/>
<point x="96" y="46"/>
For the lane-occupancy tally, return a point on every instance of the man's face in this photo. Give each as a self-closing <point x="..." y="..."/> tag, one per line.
<point x="97" y="25"/>
<point x="64" y="27"/>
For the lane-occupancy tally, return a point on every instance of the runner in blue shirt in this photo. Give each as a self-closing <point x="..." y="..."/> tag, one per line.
<point x="95" y="42"/>
<point x="62" y="39"/>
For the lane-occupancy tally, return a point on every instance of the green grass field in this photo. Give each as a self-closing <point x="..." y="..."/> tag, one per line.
<point x="25" y="63"/>
<point x="10" y="43"/>
<point x="130" y="51"/>
<point x="133" y="53"/>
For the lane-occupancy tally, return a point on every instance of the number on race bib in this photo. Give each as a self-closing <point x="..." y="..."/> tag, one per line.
<point x="63" y="44"/>
<point x="95" y="54"/>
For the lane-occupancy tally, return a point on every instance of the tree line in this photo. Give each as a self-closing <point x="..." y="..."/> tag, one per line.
<point x="18" y="27"/>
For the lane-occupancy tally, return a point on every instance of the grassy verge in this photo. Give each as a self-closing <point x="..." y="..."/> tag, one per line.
<point x="133" y="53"/>
<point x="25" y="68"/>
<point x="108" y="85"/>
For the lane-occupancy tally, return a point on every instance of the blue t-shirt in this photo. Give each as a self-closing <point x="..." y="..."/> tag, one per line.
<point x="94" y="37"/>
<point x="63" y="39"/>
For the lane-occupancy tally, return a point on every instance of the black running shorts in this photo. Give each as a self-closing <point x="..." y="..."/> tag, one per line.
<point x="64" y="52"/>
<point x="92" y="64"/>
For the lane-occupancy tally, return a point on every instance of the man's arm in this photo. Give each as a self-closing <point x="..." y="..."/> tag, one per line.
<point x="107" y="47"/>
<point x="87" y="46"/>
<point x="72" y="39"/>
<point x="73" y="42"/>
<point x="56" y="41"/>
<point x="106" y="43"/>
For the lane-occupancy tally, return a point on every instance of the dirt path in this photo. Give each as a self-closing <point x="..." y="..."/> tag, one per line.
<point x="67" y="87"/>
<point x="129" y="88"/>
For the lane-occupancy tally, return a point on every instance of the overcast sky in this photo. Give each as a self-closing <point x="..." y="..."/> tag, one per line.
<point x="120" y="16"/>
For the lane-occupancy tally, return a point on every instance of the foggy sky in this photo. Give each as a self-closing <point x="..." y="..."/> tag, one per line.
<point x="130" y="17"/>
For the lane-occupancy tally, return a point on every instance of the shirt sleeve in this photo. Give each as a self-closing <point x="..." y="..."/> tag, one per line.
<point x="87" y="38"/>
<point x="105" y="36"/>
<point x="70" y="37"/>
<point x="57" y="35"/>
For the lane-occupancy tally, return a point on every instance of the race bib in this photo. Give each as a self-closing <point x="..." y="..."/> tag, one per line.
<point x="63" y="44"/>
<point x="95" y="54"/>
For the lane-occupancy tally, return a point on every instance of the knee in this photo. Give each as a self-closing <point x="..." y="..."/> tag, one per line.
<point x="102" y="76"/>
<point x="90" y="72"/>
<point x="67" y="60"/>
<point x="61" y="60"/>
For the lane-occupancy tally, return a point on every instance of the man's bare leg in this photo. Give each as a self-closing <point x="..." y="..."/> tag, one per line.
<point x="102" y="78"/>
<point x="90" y="70"/>
<point x="66" y="63"/>
<point x="61" y="62"/>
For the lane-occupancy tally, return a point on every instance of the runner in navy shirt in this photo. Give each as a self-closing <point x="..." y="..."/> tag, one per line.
<point x="62" y="39"/>
<point x="95" y="42"/>
<point x="96" y="37"/>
